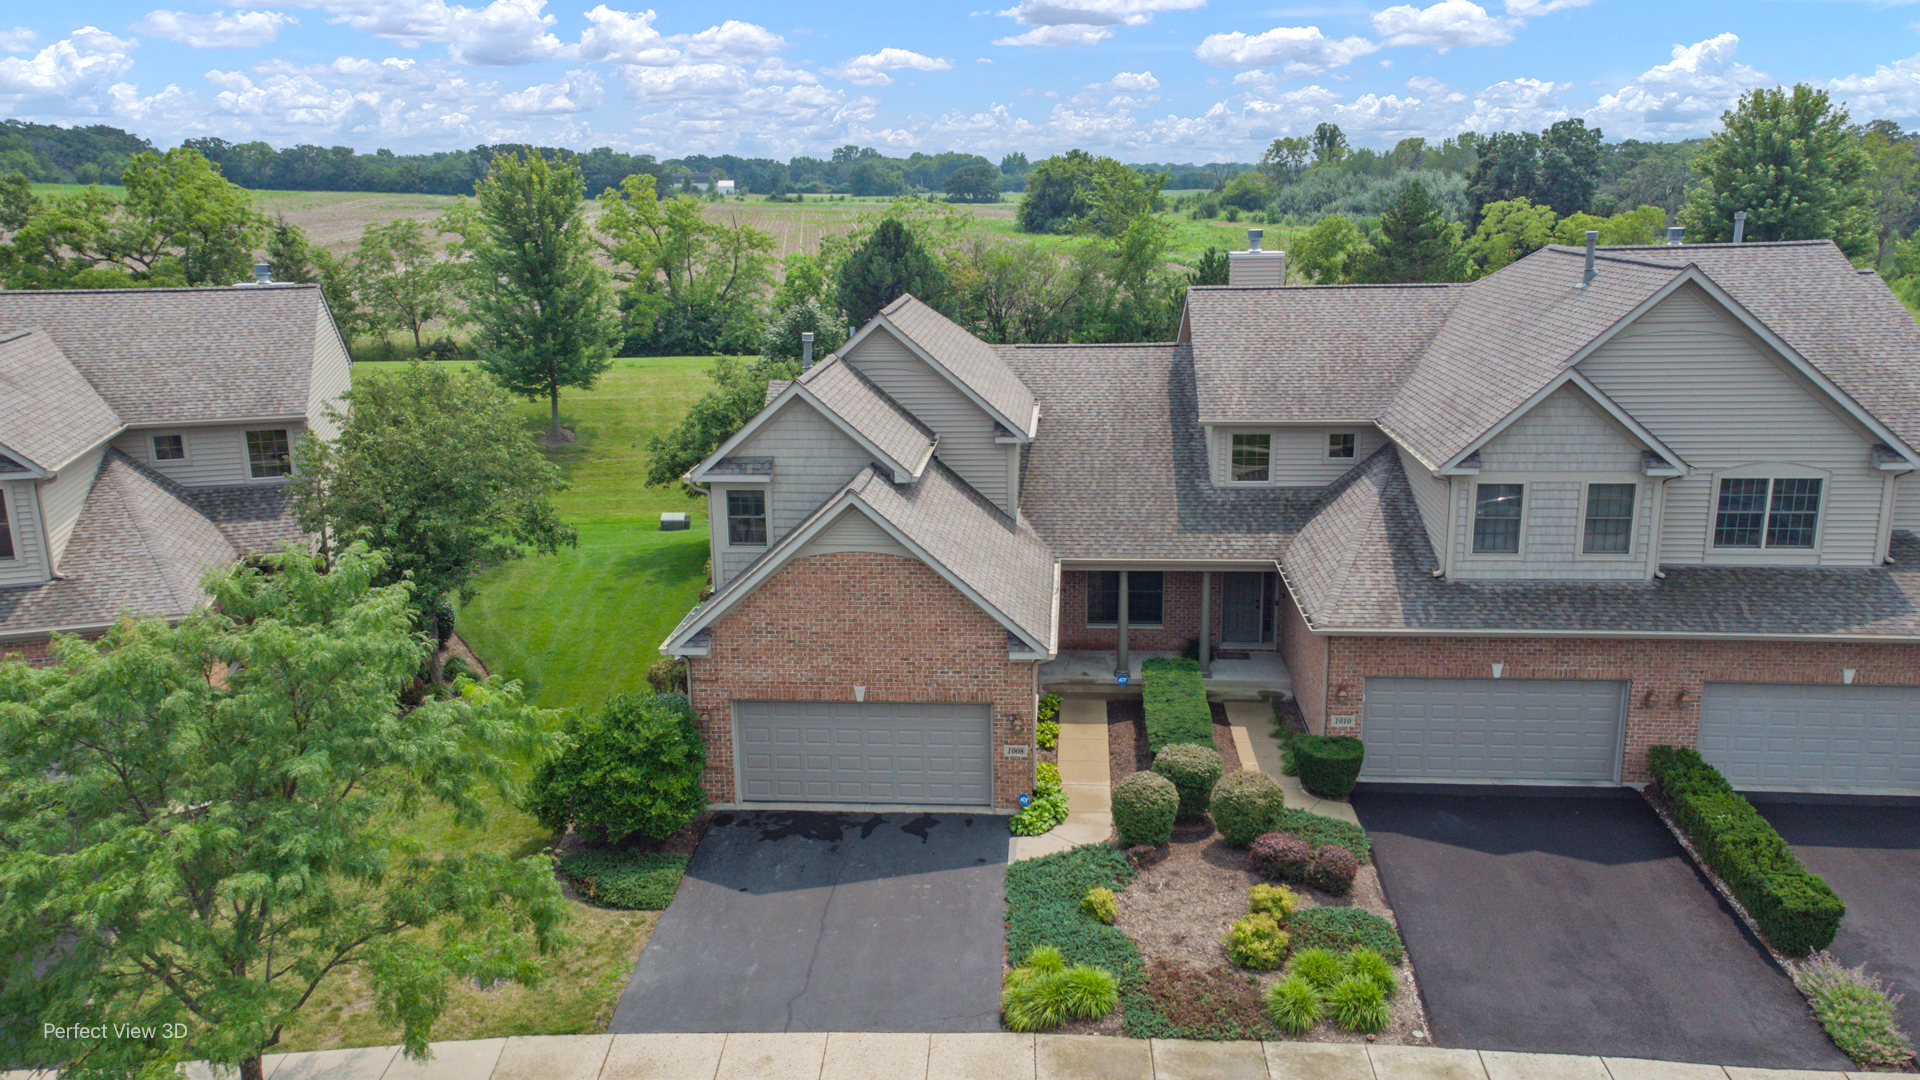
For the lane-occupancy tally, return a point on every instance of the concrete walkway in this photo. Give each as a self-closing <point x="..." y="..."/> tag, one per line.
<point x="997" y="1056"/>
<point x="1084" y="775"/>
<point x="1253" y="737"/>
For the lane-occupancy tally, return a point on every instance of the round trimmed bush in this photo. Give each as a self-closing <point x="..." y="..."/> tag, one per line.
<point x="1332" y="870"/>
<point x="1279" y="856"/>
<point x="1194" y="770"/>
<point x="1256" y="941"/>
<point x="1144" y="806"/>
<point x="1328" y="765"/>
<point x="633" y="767"/>
<point x="1245" y="805"/>
<point x="1100" y="905"/>
<point x="1275" y="900"/>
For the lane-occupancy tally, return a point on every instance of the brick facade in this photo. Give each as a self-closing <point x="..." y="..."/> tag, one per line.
<point x="820" y="625"/>
<point x="1180" y="610"/>
<point x="1667" y="675"/>
<point x="1306" y="658"/>
<point x="35" y="651"/>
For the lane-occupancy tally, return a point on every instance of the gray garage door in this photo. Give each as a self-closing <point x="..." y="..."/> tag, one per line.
<point x="864" y="752"/>
<point x="1493" y="729"/>
<point x="1813" y="738"/>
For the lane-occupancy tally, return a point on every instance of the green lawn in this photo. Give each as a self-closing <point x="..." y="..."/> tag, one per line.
<point x="581" y="625"/>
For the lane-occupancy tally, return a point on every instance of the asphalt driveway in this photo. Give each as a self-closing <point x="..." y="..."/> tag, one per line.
<point x="1569" y="921"/>
<point x="830" y="922"/>
<point x="1870" y="854"/>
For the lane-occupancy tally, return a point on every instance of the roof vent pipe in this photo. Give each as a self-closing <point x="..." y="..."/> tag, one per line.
<point x="1253" y="239"/>
<point x="262" y="273"/>
<point x="1593" y="241"/>
<point x="1674" y="236"/>
<point x="1739" y="226"/>
<point x="806" y="350"/>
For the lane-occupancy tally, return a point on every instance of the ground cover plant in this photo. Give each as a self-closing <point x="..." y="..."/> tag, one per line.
<point x="625" y="879"/>
<point x="1337" y="928"/>
<point x="1044" y="992"/>
<point x="1319" y="830"/>
<point x="1795" y="909"/>
<point x="1049" y="805"/>
<point x="1175" y="698"/>
<point x="1855" y="1010"/>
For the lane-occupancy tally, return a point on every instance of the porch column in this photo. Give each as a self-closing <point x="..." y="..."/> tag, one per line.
<point x="1120" y="665"/>
<point x="1206" y="624"/>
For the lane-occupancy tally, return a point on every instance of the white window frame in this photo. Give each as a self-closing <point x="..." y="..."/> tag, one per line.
<point x="1768" y="470"/>
<point x="1228" y="449"/>
<point x="12" y="525"/>
<point x="766" y="517"/>
<point x="186" y="450"/>
<point x="246" y="454"/>
<point x="1326" y="448"/>
<point x="1633" y="527"/>
<point x="1473" y="515"/>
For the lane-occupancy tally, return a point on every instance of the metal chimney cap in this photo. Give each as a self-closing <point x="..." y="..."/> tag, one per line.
<point x="1253" y="239"/>
<point x="263" y="272"/>
<point x="1675" y="236"/>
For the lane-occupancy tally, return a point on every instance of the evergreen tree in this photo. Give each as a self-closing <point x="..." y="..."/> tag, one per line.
<point x="1789" y="160"/>
<point x="1417" y="244"/>
<point x="889" y="263"/>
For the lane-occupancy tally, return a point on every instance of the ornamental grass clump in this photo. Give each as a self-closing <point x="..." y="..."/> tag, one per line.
<point x="1855" y="1010"/>
<point x="1144" y="807"/>
<point x="1295" y="1005"/>
<point x="1256" y="941"/>
<point x="1352" y="987"/>
<point x="1044" y="992"/>
<point x="1357" y="1004"/>
<point x="1320" y="968"/>
<point x="1194" y="771"/>
<point x="1245" y="805"/>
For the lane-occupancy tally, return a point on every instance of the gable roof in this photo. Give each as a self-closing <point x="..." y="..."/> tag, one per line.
<point x="864" y="412"/>
<point x="49" y="414"/>
<point x="160" y="356"/>
<point x="1355" y="535"/>
<point x="969" y="363"/>
<point x="999" y="562"/>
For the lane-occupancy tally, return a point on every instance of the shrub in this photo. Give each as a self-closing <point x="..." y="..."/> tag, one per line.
<point x="1256" y="941"/>
<point x="636" y="881"/>
<point x="1370" y="965"/>
<point x="1047" y="734"/>
<point x="1245" y="804"/>
<point x="1332" y="870"/>
<point x="1275" y="900"/>
<point x="1045" y="993"/>
<point x="633" y="767"/>
<point x="1144" y="806"/>
<point x="1328" y="765"/>
<point x="1794" y="908"/>
<point x="1279" y="857"/>
<point x="1855" y="1011"/>
<point x="1049" y="805"/>
<point x="1099" y="904"/>
<point x="1175" y="698"/>
<point x="1043" y="908"/>
<point x="1357" y="1004"/>
<point x="1319" y="829"/>
<point x="1294" y="1005"/>
<point x="1194" y="771"/>
<point x="1318" y="968"/>
<point x="668" y="675"/>
<point x="1328" y="927"/>
<point x="1048" y="709"/>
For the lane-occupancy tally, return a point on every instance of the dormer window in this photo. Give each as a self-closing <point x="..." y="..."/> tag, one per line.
<point x="6" y="530"/>
<point x="1496" y="519"/>
<point x="1340" y="446"/>
<point x="747" y="518"/>
<point x="269" y="454"/>
<point x="1767" y="512"/>
<point x="1252" y="457"/>
<point x="169" y="448"/>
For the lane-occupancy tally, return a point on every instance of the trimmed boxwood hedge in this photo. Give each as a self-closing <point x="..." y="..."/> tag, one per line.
<point x="1175" y="697"/>
<point x="1328" y="765"/>
<point x="1796" y="910"/>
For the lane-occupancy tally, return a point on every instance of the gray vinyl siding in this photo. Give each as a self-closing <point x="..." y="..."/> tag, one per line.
<point x="62" y="497"/>
<point x="216" y="456"/>
<point x="332" y="376"/>
<point x="853" y="531"/>
<point x="1714" y="392"/>
<point x="965" y="430"/>
<point x="1561" y="445"/>
<point x="1906" y="503"/>
<point x="1430" y="494"/>
<point x="812" y="459"/>
<point x="28" y="565"/>
<point x="1299" y="453"/>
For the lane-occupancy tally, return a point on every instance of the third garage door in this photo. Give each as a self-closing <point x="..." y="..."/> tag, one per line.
<point x="1491" y="730"/>
<point x="911" y="752"/>
<point x="1828" y="737"/>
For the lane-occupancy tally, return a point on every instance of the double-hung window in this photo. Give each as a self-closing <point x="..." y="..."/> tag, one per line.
<point x="1496" y="519"/>
<point x="268" y="454"/>
<point x="1146" y="597"/>
<point x="1252" y="457"/>
<point x="1767" y="512"/>
<point x="1340" y="446"/>
<point x="6" y="529"/>
<point x="1609" y="528"/>
<point x="747" y="517"/>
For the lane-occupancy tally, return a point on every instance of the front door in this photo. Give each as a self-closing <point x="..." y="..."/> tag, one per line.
<point x="1246" y="605"/>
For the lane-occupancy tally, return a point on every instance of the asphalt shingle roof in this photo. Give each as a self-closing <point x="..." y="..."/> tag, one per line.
<point x="1119" y="467"/>
<point x="48" y="411"/>
<point x="867" y="409"/>
<point x="967" y="358"/>
<point x="183" y="355"/>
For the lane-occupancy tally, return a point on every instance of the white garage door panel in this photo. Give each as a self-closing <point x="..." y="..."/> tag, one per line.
<point x="1492" y="729"/>
<point x="1829" y="738"/>
<point x="864" y="752"/>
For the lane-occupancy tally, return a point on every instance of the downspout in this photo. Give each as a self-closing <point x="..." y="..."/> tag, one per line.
<point x="1120" y="665"/>
<point x="1206" y="624"/>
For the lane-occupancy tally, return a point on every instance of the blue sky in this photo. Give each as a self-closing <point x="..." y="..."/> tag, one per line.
<point x="1144" y="80"/>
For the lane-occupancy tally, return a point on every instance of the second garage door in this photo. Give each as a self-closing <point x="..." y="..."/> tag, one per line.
<point x="864" y="752"/>
<point x="1492" y="730"/>
<point x="1813" y="738"/>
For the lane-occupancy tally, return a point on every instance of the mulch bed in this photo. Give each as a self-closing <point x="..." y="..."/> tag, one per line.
<point x="1127" y="739"/>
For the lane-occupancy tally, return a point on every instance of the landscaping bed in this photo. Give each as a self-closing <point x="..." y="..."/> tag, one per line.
<point x="638" y="875"/>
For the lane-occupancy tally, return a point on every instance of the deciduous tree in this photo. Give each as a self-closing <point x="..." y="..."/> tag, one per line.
<point x="1329" y="252"/>
<point x="1788" y="159"/>
<point x="1509" y="230"/>
<point x="402" y="277"/>
<point x="694" y="285"/>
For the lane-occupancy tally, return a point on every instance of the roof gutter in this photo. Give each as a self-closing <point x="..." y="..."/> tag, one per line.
<point x="1665" y="635"/>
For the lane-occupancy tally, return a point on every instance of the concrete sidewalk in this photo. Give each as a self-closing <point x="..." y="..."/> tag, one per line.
<point x="1084" y="775"/>
<point x="1252" y="723"/>
<point x="997" y="1056"/>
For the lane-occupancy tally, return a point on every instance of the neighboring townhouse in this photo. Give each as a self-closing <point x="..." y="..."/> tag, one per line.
<point x="1516" y="530"/>
<point x="146" y="438"/>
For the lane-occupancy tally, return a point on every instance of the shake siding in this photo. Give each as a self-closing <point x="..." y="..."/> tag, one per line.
<point x="62" y="497"/>
<point x="853" y="531"/>
<point x="1299" y="453"/>
<point x="332" y="376"/>
<point x="216" y="456"/>
<point x="965" y="430"/>
<point x="812" y="459"/>
<point x="1715" y="393"/>
<point x="1430" y="494"/>
<point x="28" y="566"/>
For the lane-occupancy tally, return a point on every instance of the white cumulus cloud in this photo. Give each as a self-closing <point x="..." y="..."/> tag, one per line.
<point x="81" y="63"/>
<point x="1083" y="22"/>
<point x="576" y="93"/>
<point x="1299" y="50"/>
<point x="620" y="37"/>
<point x="1135" y="81"/>
<point x="18" y="39"/>
<point x="505" y="32"/>
<point x="220" y="30"/>
<point x="871" y="69"/>
<point x="1542" y="7"/>
<point x="1682" y="97"/>
<point x="1069" y="34"/>
<point x="1892" y="90"/>
<point x="1449" y="24"/>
